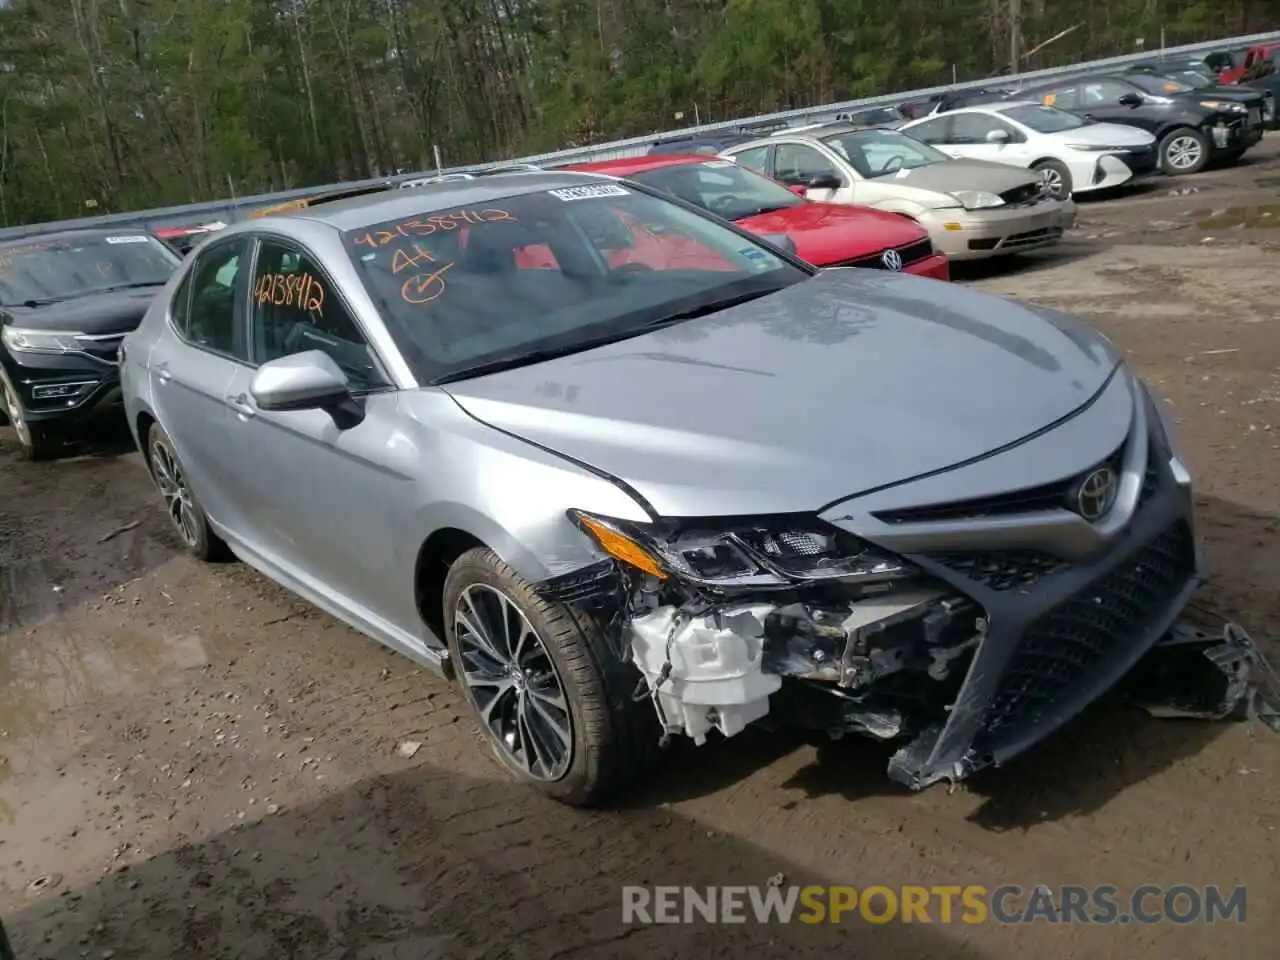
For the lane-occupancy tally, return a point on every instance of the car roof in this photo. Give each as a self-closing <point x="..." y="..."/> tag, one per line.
<point x="625" y="166"/>
<point x="820" y="130"/>
<point x="356" y="212"/>
<point x="95" y="233"/>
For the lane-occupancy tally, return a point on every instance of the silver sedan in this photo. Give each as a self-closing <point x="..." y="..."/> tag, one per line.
<point x="626" y="472"/>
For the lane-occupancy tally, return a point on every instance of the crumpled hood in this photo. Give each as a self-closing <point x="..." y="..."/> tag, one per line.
<point x="848" y="381"/>
<point x="830" y="232"/>
<point x="102" y="313"/>
<point x="962" y="175"/>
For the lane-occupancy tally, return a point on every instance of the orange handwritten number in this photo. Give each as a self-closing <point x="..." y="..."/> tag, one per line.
<point x="403" y="259"/>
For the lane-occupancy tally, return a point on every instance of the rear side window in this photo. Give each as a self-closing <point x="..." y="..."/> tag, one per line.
<point x="211" y="316"/>
<point x="757" y="159"/>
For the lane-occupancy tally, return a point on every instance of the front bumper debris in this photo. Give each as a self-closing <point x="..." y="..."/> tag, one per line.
<point x="1196" y="675"/>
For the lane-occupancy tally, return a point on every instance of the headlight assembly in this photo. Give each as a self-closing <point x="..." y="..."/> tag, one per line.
<point x="977" y="199"/>
<point x="22" y="340"/>
<point x="759" y="555"/>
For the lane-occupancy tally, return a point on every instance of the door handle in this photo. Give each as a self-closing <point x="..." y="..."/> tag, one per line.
<point x="162" y="371"/>
<point x="241" y="405"/>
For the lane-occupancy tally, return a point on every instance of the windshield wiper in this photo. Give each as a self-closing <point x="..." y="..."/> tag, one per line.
<point x="132" y="286"/>
<point x="499" y="364"/>
<point x="713" y="306"/>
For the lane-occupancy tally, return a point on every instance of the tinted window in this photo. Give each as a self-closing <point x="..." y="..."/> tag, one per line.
<point x="552" y="270"/>
<point x="212" y="317"/>
<point x="295" y="309"/>
<point x="1064" y="98"/>
<point x="721" y="187"/>
<point x="798" y="164"/>
<point x="757" y="159"/>
<point x="1104" y="93"/>
<point x="64" y="268"/>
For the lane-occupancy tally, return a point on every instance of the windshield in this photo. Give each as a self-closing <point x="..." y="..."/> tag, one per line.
<point x="470" y="289"/>
<point x="1158" y="84"/>
<point x="1044" y="119"/>
<point x="41" y="271"/>
<point x="1195" y="78"/>
<point x="878" y="153"/>
<point x="722" y="187"/>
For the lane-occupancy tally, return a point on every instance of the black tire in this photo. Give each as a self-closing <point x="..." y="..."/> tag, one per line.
<point x="1176" y="149"/>
<point x="35" y="442"/>
<point x="189" y="519"/>
<point x="613" y="738"/>
<point x="1056" y="174"/>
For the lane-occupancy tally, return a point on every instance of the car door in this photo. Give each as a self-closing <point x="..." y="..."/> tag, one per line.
<point x="191" y="369"/>
<point x="1100" y="100"/>
<point x="969" y="133"/>
<point x="317" y="495"/>
<point x="797" y="164"/>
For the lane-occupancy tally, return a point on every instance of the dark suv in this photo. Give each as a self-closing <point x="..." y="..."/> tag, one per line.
<point x="66" y="301"/>
<point x="1192" y="127"/>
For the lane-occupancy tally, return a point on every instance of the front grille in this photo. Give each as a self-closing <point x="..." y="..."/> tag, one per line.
<point x="1003" y="570"/>
<point x="1049" y="496"/>
<point x="911" y="253"/>
<point x="1068" y="645"/>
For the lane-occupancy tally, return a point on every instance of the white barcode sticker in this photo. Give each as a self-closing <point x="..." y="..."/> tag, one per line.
<point x="133" y="239"/>
<point x="591" y="192"/>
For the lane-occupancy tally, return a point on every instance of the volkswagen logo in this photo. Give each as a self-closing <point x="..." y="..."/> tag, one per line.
<point x="1096" y="493"/>
<point x="891" y="259"/>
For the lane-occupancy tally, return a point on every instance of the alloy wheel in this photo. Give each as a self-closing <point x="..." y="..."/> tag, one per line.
<point x="13" y="410"/>
<point x="513" y="682"/>
<point x="177" y="495"/>
<point x="1183" y="152"/>
<point x="1052" y="180"/>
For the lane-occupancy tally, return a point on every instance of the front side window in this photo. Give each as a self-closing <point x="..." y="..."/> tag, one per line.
<point x="1064" y="98"/>
<point x="879" y="153"/>
<point x="1105" y="93"/>
<point x="64" y="268"/>
<point x="551" y="272"/>
<point x="974" y="128"/>
<point x="932" y="131"/>
<point x="210" y="320"/>
<point x="295" y="310"/>
<point x="798" y="164"/>
<point x="722" y="187"/>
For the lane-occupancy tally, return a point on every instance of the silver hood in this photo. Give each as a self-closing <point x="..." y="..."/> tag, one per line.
<point x="964" y="175"/>
<point x="849" y="381"/>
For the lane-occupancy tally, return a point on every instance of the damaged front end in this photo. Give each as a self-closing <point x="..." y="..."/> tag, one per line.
<point x="961" y="661"/>
<point x="810" y="625"/>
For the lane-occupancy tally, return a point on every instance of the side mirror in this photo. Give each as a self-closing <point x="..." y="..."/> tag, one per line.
<point x="780" y="240"/>
<point x="825" y="181"/>
<point x="997" y="136"/>
<point x="306" y="381"/>
<point x="797" y="188"/>
<point x="1130" y="99"/>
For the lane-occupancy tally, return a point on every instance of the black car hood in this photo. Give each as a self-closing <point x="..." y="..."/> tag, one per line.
<point x="1243" y="94"/>
<point x="119" y="311"/>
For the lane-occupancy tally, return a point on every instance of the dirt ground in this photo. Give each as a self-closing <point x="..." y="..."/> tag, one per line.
<point x="195" y="763"/>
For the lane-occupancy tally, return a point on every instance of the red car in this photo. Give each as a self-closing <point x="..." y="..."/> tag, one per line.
<point x="825" y="234"/>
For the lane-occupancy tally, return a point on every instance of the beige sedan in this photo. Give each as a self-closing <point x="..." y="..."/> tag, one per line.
<point x="972" y="209"/>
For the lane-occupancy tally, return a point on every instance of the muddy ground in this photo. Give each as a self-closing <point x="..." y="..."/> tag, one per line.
<point x="195" y="763"/>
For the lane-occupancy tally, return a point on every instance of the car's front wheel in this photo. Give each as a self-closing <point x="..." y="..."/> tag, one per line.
<point x="1056" y="178"/>
<point x="1183" y="151"/>
<point x="184" y="510"/>
<point x="553" y="701"/>
<point x="36" y="442"/>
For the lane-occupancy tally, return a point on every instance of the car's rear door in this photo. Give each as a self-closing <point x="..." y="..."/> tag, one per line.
<point x="192" y="365"/>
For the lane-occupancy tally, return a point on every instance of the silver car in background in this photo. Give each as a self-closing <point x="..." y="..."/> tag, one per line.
<point x="973" y="209"/>
<point x="626" y="472"/>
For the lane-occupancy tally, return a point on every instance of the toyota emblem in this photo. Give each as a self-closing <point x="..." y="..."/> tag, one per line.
<point x="1096" y="493"/>
<point x="891" y="259"/>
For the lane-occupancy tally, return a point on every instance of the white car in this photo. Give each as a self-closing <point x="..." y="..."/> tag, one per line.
<point x="1071" y="154"/>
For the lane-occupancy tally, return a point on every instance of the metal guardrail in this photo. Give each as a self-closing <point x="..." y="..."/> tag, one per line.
<point x="237" y="209"/>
